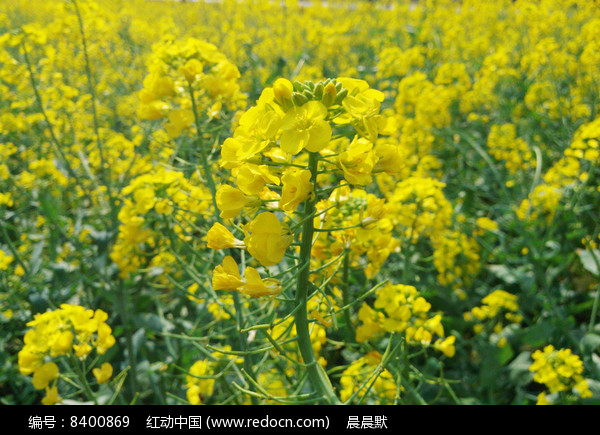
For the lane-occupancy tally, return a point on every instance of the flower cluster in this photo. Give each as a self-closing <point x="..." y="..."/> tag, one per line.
<point x="199" y="383"/>
<point x="70" y="331"/>
<point x="358" y="222"/>
<point x="267" y="158"/>
<point x="497" y="309"/>
<point x="559" y="370"/>
<point x="159" y="198"/>
<point x="504" y="144"/>
<point x="188" y="77"/>
<point x="401" y="308"/>
<point x="365" y="379"/>
<point x="582" y="154"/>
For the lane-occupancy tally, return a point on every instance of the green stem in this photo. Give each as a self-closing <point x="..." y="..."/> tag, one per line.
<point x="88" y="71"/>
<point x="597" y="296"/>
<point x="81" y="375"/>
<point x="123" y="306"/>
<point x="318" y="377"/>
<point x="14" y="251"/>
<point x="242" y="340"/>
<point x="203" y="154"/>
<point x="57" y="146"/>
<point x="346" y="295"/>
<point x="213" y="191"/>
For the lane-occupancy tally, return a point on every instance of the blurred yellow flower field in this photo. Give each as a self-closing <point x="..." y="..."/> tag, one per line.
<point x="253" y="202"/>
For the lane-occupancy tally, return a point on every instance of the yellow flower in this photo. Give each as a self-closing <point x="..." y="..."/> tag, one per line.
<point x="51" y="397"/>
<point x="179" y="120"/>
<point x="267" y="238"/>
<point x="582" y="388"/>
<point x="487" y="224"/>
<point x="103" y="373"/>
<point x="105" y="338"/>
<point x="282" y="90"/>
<point x="255" y="286"/>
<point x="62" y="344"/>
<point x="231" y="201"/>
<point x="542" y="399"/>
<point x="44" y="375"/>
<point x="371" y="323"/>
<point x="159" y="86"/>
<point x="296" y="188"/>
<point x="191" y="70"/>
<point x="390" y="158"/>
<point x="357" y="161"/>
<point x="364" y="108"/>
<point x="251" y="179"/>
<point x="5" y="260"/>
<point x="446" y="346"/>
<point x="227" y="276"/>
<point x="219" y="237"/>
<point x="305" y="127"/>
<point x="198" y="386"/>
<point x="153" y="110"/>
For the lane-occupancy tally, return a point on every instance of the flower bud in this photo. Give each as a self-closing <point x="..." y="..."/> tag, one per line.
<point x="340" y="96"/>
<point x="329" y="94"/>
<point x="299" y="99"/>
<point x="283" y="89"/>
<point x="318" y="92"/>
<point x="191" y="70"/>
<point x="299" y="86"/>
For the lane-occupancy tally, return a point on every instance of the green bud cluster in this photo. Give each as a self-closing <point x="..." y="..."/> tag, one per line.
<point x="328" y="92"/>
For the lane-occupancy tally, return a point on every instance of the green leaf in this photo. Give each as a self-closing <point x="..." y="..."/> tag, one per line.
<point x="589" y="262"/>
<point x="538" y="335"/>
<point x="35" y="260"/>
<point x="518" y="369"/>
<point x="502" y="272"/>
<point x="138" y="339"/>
<point x="590" y="342"/>
<point x="153" y="322"/>
<point x="504" y="354"/>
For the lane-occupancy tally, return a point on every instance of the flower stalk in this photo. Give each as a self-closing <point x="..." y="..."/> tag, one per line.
<point x="318" y="377"/>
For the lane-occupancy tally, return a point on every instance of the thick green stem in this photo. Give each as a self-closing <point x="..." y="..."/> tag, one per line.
<point x="318" y="377"/>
